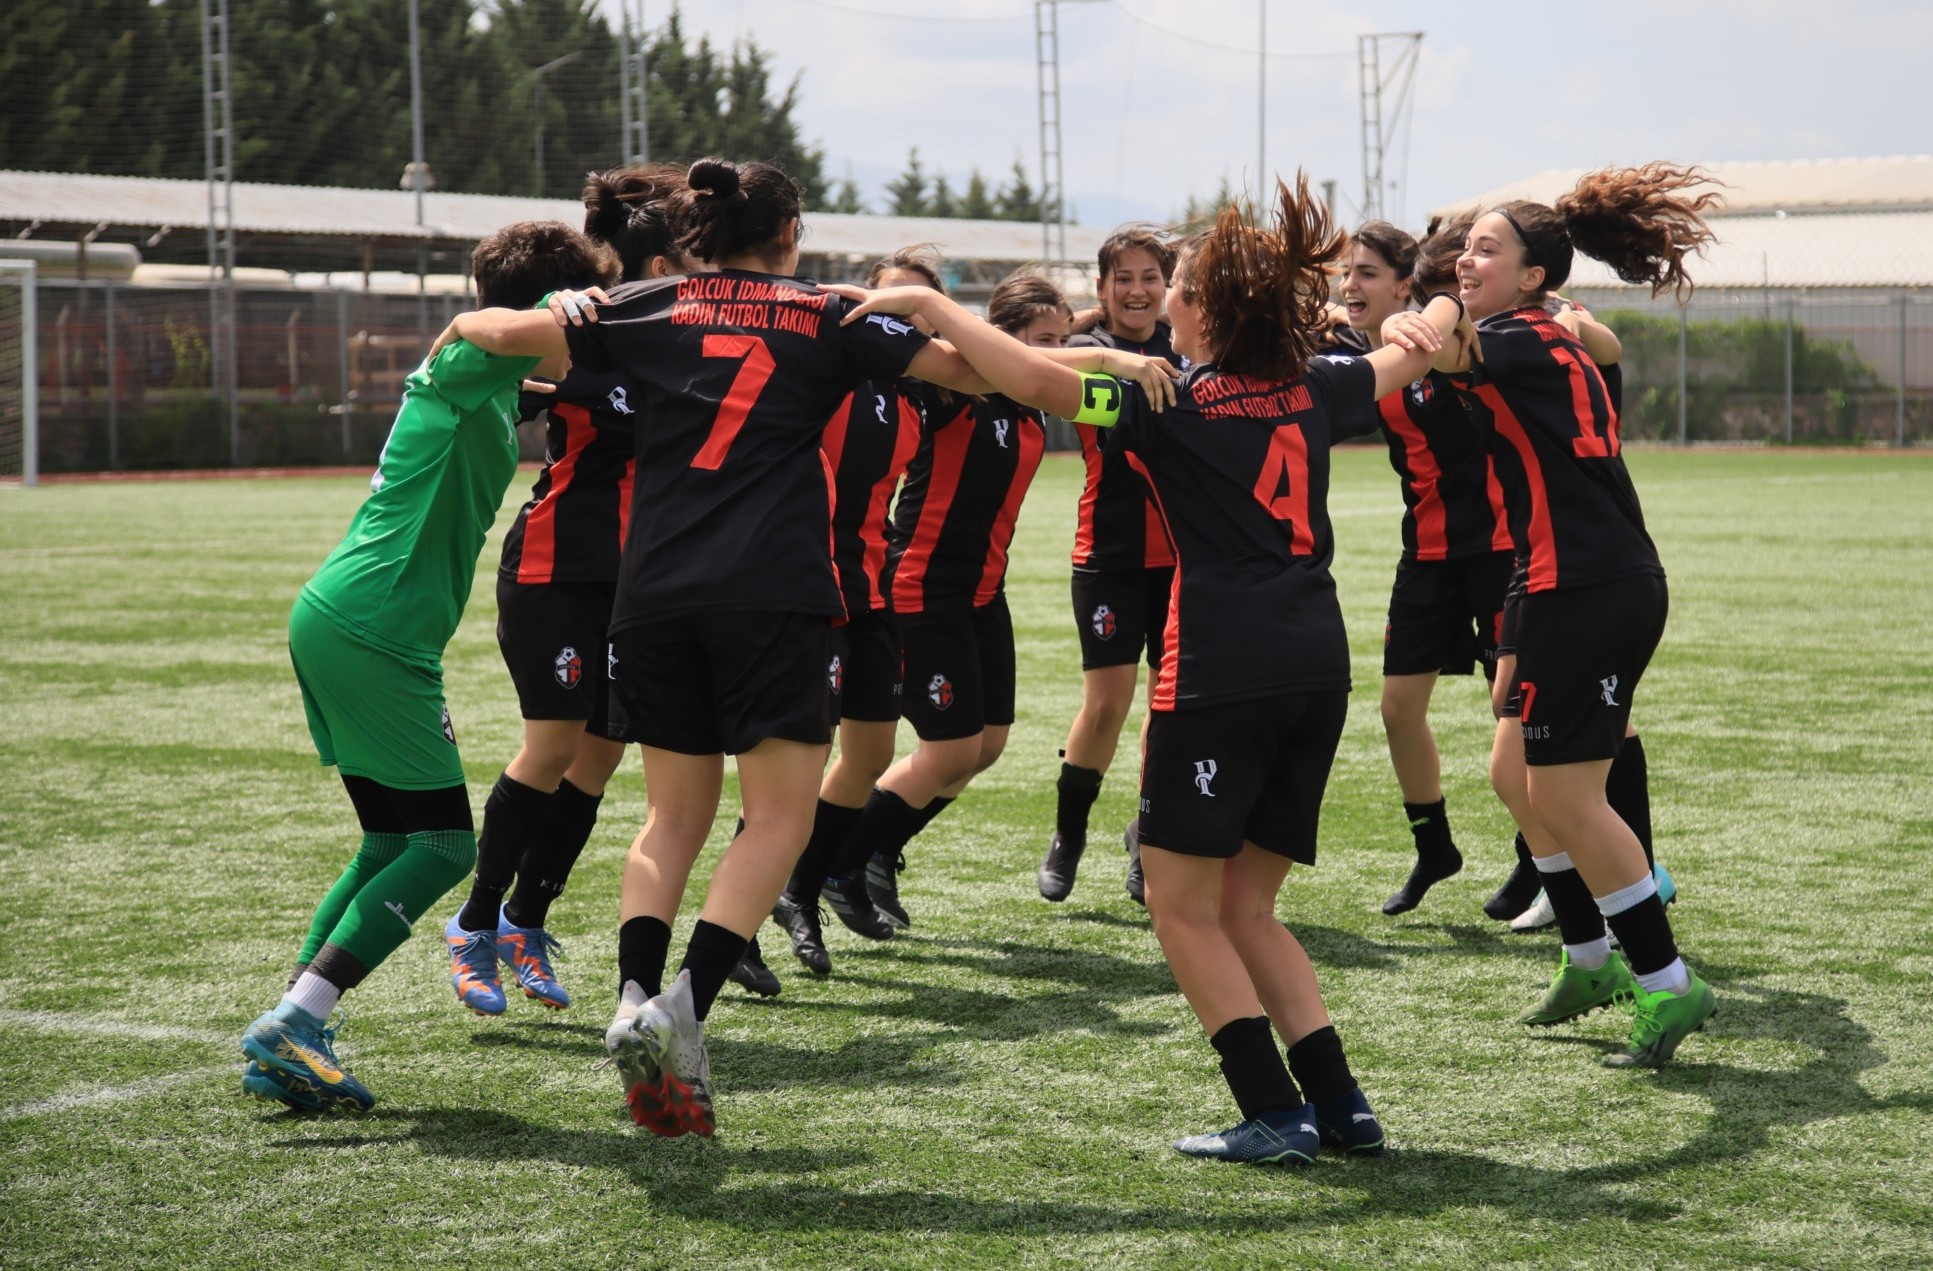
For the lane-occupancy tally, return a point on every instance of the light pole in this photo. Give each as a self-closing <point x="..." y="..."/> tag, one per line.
<point x="537" y="107"/>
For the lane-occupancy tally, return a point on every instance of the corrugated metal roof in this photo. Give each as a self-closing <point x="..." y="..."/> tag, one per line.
<point x="1821" y="249"/>
<point x="1898" y="182"/>
<point x="80" y="199"/>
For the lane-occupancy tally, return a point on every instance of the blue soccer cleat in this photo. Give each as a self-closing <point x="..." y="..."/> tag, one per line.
<point x="1286" y="1136"/>
<point x="1667" y="886"/>
<point x="473" y="968"/>
<point x="526" y="951"/>
<point x="297" y="1053"/>
<point x="1348" y="1125"/>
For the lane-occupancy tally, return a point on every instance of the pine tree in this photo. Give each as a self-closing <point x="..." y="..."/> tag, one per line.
<point x="906" y="193"/>
<point x="845" y="197"/>
<point x="1017" y="202"/>
<point x="944" y="202"/>
<point x="977" y="203"/>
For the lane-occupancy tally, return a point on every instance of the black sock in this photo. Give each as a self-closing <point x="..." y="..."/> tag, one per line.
<point x="884" y="827"/>
<point x="1077" y="789"/>
<point x="934" y="807"/>
<point x="1319" y="1066"/>
<point x="1253" y="1068"/>
<point x="710" y="956"/>
<point x="512" y="816"/>
<point x="832" y="825"/>
<point x="554" y="849"/>
<point x="643" y="944"/>
<point x="339" y="967"/>
<point x="1578" y="918"/>
<point x="1628" y="790"/>
<point x="1429" y="824"/>
<point x="1644" y="933"/>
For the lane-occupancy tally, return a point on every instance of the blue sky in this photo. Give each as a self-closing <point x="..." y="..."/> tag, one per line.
<point x="1159" y="96"/>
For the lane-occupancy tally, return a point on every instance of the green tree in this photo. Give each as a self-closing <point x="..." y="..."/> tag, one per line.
<point x="944" y="202"/>
<point x="1017" y="201"/>
<point x="906" y="193"/>
<point x="845" y="197"/>
<point x="78" y="92"/>
<point x="977" y="202"/>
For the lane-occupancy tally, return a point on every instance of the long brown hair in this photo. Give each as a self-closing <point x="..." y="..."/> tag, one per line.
<point x="1436" y="255"/>
<point x="1021" y="297"/>
<point x="1639" y="221"/>
<point x="1263" y="291"/>
<point x="921" y="258"/>
<point x="728" y="208"/>
<point x="627" y="208"/>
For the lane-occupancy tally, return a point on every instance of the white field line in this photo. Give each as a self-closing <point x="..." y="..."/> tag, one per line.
<point x="96" y="1026"/>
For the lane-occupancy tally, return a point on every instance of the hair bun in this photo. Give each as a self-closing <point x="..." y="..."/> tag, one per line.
<point x="716" y="177"/>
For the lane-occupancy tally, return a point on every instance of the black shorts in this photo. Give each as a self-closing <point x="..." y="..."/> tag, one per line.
<point x="1446" y="615"/>
<point x="1581" y="654"/>
<point x="865" y="681"/>
<point x="959" y="670"/>
<point x="552" y="638"/>
<point x="1241" y="772"/>
<point x="1120" y="613"/>
<point x="721" y="683"/>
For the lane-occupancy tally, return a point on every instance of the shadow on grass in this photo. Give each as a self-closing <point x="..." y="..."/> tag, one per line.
<point x="773" y="1190"/>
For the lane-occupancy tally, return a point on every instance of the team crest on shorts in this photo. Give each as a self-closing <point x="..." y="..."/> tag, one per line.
<point x="449" y="729"/>
<point x="836" y="674"/>
<point x="939" y="691"/>
<point x="1103" y="622"/>
<point x="568" y="668"/>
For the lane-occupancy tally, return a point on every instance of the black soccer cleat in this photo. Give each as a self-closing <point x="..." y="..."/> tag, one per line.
<point x="850" y="902"/>
<point x="1137" y="885"/>
<point x="802" y="924"/>
<point x="882" y="884"/>
<point x="1518" y="893"/>
<point x="752" y="973"/>
<point x="1056" y="873"/>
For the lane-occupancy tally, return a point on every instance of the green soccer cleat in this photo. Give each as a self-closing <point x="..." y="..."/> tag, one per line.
<point x="1659" y="1021"/>
<point x="1575" y="991"/>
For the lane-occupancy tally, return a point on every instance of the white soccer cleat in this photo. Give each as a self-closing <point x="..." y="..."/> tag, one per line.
<point x="676" y="1042"/>
<point x="1537" y="917"/>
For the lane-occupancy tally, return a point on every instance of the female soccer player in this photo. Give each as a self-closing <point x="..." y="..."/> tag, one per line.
<point x="721" y="634"/>
<point x="946" y="581"/>
<point x="1595" y="599"/>
<point x="1123" y="565"/>
<point x="555" y="587"/>
<point x="1447" y="600"/>
<point x="872" y="438"/>
<point x="367" y="637"/>
<point x="1253" y="683"/>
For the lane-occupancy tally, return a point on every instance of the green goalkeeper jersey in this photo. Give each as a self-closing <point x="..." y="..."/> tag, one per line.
<point x="402" y="574"/>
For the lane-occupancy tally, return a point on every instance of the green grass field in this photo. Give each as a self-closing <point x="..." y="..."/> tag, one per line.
<point x="999" y="1088"/>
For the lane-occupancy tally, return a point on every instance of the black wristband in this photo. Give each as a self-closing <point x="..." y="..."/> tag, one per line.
<point x="1448" y="295"/>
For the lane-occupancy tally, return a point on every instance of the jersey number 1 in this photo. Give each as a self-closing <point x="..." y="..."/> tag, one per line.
<point x="1288" y="462"/>
<point x="753" y="372"/>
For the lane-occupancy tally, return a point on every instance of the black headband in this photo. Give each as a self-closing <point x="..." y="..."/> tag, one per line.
<point x="1521" y="236"/>
<point x="1556" y="273"/>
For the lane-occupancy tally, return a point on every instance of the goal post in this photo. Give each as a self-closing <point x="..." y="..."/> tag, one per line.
<point x="19" y="374"/>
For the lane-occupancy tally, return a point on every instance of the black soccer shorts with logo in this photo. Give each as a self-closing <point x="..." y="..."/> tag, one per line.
<point x="714" y="682"/>
<point x="1241" y="771"/>
<point x="1446" y="616"/>
<point x="1121" y="613"/>
<point x="552" y="638"/>
<point x="958" y="670"/>
<point x="865" y="675"/>
<point x="1580" y="654"/>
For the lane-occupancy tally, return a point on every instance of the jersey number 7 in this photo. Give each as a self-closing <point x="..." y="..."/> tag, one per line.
<point x="1288" y="463"/>
<point x="753" y="372"/>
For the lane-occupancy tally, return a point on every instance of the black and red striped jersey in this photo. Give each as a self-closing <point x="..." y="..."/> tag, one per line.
<point x="868" y="444"/>
<point x="738" y="373"/>
<point x="1452" y="501"/>
<point x="1116" y="527"/>
<point x="955" y="516"/>
<point x="572" y="528"/>
<point x="1239" y="470"/>
<point x="1553" y="427"/>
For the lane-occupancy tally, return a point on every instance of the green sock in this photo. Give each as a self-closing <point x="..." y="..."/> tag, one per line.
<point x="377" y="851"/>
<point x="378" y="918"/>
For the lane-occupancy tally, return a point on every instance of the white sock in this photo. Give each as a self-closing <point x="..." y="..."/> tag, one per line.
<point x="1627" y="897"/>
<point x="1555" y="863"/>
<point x="1590" y="955"/>
<point x="314" y="994"/>
<point x="1675" y="978"/>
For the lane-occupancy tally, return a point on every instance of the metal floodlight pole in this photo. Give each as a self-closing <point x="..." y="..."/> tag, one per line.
<point x="218" y="115"/>
<point x="634" y="133"/>
<point x="537" y="106"/>
<point x="419" y="167"/>
<point x="29" y="369"/>
<point x="1053" y="199"/>
<point x="1373" y="85"/>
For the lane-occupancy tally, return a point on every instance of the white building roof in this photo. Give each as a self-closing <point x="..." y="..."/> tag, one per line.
<point x="54" y="198"/>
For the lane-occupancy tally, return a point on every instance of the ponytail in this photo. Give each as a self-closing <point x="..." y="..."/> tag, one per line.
<point x="627" y="208"/>
<point x="1263" y="292"/>
<point x="727" y="209"/>
<point x="1636" y="220"/>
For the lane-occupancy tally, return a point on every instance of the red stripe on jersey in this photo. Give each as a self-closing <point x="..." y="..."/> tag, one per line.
<point x="1432" y="519"/>
<point x="1590" y="444"/>
<point x="832" y="551"/>
<point x="1160" y="552"/>
<point x="1090" y="439"/>
<point x="872" y="531"/>
<point x="949" y="461"/>
<point x="1163" y="696"/>
<point x="833" y="444"/>
<point x="539" y="557"/>
<point x="1500" y="536"/>
<point x="1542" y="545"/>
<point x="1032" y="442"/>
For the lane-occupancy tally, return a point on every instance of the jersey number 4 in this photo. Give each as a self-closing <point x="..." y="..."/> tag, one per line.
<point x="1287" y="465"/>
<point x="754" y="370"/>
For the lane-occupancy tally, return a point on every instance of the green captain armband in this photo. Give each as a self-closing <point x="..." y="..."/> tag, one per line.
<point x="1100" y="401"/>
